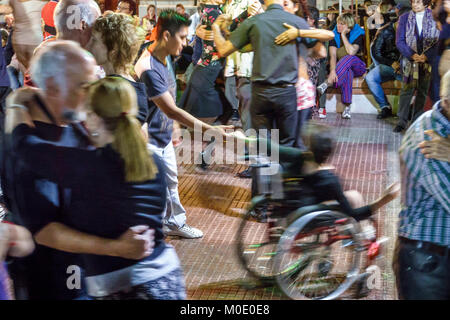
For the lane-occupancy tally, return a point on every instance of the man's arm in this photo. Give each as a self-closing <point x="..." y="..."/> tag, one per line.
<point x="378" y="44"/>
<point x="136" y="243"/>
<point x="224" y="47"/>
<point x="167" y="105"/>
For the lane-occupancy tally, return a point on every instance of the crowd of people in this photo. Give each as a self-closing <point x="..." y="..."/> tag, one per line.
<point x="96" y="97"/>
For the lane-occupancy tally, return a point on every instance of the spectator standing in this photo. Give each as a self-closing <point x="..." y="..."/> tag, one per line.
<point x="417" y="37"/>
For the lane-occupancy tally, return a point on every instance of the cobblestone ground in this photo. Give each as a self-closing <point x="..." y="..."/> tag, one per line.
<point x="365" y="159"/>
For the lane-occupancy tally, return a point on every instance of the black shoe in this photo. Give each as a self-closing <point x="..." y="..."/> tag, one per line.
<point x="260" y="213"/>
<point x="385" y="113"/>
<point x="398" y="128"/>
<point x="246" y="174"/>
<point x="204" y="166"/>
<point x="235" y="116"/>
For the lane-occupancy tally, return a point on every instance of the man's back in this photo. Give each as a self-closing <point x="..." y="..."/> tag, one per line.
<point x="39" y="202"/>
<point x="272" y="64"/>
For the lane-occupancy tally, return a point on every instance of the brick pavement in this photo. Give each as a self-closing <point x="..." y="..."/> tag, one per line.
<point x="215" y="200"/>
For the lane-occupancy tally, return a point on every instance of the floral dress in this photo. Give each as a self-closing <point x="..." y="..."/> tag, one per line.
<point x="209" y="53"/>
<point x="203" y="97"/>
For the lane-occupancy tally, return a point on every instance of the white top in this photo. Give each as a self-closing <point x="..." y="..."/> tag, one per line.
<point x="419" y="20"/>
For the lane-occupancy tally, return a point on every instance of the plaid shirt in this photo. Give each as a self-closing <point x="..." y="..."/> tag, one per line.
<point x="425" y="214"/>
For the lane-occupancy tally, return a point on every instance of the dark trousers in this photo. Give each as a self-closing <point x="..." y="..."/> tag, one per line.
<point x="420" y="274"/>
<point x="405" y="112"/>
<point x="320" y="80"/>
<point x="275" y="107"/>
<point x="303" y="117"/>
<point x="244" y="95"/>
<point x="231" y="92"/>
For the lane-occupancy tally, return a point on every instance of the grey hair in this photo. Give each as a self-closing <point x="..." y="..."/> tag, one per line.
<point x="54" y="61"/>
<point x="69" y="15"/>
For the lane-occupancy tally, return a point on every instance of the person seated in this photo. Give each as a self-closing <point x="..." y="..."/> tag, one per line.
<point x="344" y="61"/>
<point x="325" y="186"/>
<point x="385" y="56"/>
<point x="319" y="184"/>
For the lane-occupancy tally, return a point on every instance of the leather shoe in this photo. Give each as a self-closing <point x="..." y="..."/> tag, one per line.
<point x="385" y="113"/>
<point x="235" y="116"/>
<point x="246" y="174"/>
<point x="398" y="128"/>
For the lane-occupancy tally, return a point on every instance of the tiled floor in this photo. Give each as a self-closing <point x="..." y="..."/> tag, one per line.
<point x="215" y="200"/>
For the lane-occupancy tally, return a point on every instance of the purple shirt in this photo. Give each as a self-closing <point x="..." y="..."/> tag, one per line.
<point x="403" y="47"/>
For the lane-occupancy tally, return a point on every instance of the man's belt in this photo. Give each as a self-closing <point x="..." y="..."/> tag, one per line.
<point x="429" y="246"/>
<point x="281" y="85"/>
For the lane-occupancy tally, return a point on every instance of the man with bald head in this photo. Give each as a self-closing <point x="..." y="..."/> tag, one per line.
<point x="60" y="69"/>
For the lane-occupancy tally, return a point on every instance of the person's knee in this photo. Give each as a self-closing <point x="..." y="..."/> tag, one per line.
<point x="371" y="78"/>
<point x="355" y="198"/>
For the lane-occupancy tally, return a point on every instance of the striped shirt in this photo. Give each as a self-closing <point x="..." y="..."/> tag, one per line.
<point x="425" y="214"/>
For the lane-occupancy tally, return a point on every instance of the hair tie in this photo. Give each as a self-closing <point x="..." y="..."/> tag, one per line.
<point x="123" y="114"/>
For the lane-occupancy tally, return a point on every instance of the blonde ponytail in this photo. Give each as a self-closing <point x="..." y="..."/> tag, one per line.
<point x="114" y="100"/>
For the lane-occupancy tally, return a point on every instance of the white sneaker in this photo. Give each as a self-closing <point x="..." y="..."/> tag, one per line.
<point x="322" y="88"/>
<point x="185" y="231"/>
<point x="322" y="113"/>
<point x="346" y="114"/>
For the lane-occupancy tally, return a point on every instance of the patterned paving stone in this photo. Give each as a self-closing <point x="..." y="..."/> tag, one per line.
<point x="365" y="159"/>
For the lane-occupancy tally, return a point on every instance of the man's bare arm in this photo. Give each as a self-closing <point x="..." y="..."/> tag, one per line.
<point x="136" y="243"/>
<point x="224" y="47"/>
<point x="167" y="105"/>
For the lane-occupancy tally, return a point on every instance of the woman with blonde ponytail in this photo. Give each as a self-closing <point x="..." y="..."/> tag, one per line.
<point x="115" y="186"/>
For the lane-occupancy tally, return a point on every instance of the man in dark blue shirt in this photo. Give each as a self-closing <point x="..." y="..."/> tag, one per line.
<point x="39" y="204"/>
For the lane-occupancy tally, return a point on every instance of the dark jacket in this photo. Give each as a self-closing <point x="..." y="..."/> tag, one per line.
<point x="384" y="50"/>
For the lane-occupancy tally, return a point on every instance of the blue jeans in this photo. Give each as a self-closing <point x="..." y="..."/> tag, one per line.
<point x="379" y="74"/>
<point x="15" y="77"/>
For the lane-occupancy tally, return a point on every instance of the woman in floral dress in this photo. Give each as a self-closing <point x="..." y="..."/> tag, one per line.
<point x="202" y="98"/>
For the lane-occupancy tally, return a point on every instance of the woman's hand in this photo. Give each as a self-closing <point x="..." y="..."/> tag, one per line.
<point x="204" y="34"/>
<point x="254" y="8"/>
<point x="290" y="34"/>
<point x="437" y="148"/>
<point x="345" y="30"/>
